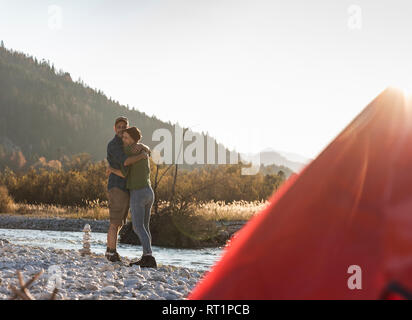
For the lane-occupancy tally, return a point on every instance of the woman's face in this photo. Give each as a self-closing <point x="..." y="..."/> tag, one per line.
<point x="127" y="139"/>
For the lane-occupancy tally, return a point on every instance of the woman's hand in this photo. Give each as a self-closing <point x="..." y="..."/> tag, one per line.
<point x="140" y="147"/>
<point x="109" y="170"/>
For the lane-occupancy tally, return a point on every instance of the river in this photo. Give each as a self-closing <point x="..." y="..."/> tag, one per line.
<point x="199" y="259"/>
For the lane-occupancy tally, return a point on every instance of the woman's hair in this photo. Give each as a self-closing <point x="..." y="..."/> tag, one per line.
<point x="134" y="133"/>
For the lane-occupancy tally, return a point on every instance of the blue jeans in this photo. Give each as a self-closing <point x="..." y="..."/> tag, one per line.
<point x="141" y="202"/>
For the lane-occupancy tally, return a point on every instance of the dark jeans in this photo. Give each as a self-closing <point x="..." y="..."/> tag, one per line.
<point x="141" y="202"/>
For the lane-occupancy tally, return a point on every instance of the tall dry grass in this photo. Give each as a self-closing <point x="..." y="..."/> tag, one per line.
<point x="236" y="210"/>
<point x="68" y="212"/>
<point x="209" y="211"/>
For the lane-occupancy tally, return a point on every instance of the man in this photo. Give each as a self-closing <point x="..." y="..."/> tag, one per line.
<point x="117" y="193"/>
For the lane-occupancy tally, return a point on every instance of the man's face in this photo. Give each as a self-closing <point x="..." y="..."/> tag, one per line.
<point x="119" y="127"/>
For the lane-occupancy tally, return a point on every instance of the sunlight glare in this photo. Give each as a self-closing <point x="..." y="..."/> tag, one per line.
<point x="405" y="86"/>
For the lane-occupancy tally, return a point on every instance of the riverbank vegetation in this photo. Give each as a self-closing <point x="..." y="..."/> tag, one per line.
<point x="189" y="204"/>
<point x="209" y="211"/>
<point x="84" y="186"/>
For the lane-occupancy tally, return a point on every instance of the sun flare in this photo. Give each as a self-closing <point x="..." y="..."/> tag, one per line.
<point x="405" y="86"/>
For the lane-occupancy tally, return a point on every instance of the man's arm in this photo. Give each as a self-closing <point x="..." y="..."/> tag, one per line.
<point x="116" y="172"/>
<point x="116" y="153"/>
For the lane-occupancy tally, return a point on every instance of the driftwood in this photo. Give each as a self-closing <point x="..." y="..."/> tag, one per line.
<point x="24" y="293"/>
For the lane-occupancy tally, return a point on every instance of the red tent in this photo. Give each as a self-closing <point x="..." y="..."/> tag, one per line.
<point x="351" y="206"/>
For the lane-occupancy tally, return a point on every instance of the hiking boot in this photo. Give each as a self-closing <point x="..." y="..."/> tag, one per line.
<point x="146" y="261"/>
<point x="112" y="256"/>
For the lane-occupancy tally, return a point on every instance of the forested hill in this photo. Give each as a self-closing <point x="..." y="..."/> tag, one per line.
<point x="45" y="113"/>
<point x="46" y="116"/>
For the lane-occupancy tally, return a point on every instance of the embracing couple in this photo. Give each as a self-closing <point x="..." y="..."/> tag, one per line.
<point x="129" y="187"/>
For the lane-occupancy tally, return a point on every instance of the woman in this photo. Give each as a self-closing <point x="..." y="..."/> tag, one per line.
<point x="141" y="195"/>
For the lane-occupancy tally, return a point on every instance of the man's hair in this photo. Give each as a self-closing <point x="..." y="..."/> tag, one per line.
<point x="124" y="119"/>
<point x="134" y="133"/>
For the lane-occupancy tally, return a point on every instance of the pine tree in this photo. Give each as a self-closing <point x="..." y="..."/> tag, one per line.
<point x="2" y="44"/>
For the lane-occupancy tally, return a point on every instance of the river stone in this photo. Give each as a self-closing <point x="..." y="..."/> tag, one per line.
<point x="158" y="277"/>
<point x="92" y="287"/>
<point x="106" y="267"/>
<point x="185" y="273"/>
<point x="110" y="289"/>
<point x="131" y="282"/>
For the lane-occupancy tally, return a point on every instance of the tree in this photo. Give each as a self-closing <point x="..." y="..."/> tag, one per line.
<point x="2" y="44"/>
<point x="176" y="166"/>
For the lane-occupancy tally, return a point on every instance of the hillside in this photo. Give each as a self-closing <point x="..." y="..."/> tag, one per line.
<point x="46" y="115"/>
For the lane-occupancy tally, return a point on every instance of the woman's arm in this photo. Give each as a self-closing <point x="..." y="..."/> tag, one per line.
<point x="138" y="147"/>
<point x="117" y="172"/>
<point x="130" y="160"/>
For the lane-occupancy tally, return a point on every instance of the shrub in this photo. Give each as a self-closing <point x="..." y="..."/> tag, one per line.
<point x="6" y="202"/>
<point x="178" y="227"/>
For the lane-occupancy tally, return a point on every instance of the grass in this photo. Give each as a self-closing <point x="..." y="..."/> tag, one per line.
<point x="221" y="211"/>
<point x="209" y="211"/>
<point x="52" y="211"/>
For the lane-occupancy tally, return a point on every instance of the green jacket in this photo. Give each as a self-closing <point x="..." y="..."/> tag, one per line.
<point x="138" y="174"/>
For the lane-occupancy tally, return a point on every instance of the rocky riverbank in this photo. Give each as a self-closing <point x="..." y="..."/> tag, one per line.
<point x="90" y="277"/>
<point x="52" y="224"/>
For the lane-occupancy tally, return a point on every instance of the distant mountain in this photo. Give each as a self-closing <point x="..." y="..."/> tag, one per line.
<point x="269" y="157"/>
<point x="294" y="157"/>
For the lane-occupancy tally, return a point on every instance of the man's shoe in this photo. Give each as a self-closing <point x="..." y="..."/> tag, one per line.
<point x="112" y="256"/>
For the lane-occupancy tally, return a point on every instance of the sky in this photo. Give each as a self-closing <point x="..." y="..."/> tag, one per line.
<point x="285" y="75"/>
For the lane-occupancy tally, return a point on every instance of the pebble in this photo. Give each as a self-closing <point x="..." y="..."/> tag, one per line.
<point x="131" y="282"/>
<point x="91" y="277"/>
<point x="92" y="287"/>
<point x="110" y="289"/>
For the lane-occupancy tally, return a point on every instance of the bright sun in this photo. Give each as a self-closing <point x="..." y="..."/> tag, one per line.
<point x="405" y="86"/>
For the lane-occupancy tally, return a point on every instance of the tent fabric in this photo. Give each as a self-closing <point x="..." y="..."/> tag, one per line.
<point x="351" y="206"/>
